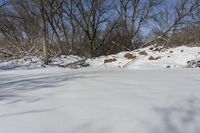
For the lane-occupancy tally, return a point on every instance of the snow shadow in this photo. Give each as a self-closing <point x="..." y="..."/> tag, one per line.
<point x="26" y="112"/>
<point x="12" y="86"/>
<point x="183" y="118"/>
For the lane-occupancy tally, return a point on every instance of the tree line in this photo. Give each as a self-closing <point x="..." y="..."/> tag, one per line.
<point x="92" y="28"/>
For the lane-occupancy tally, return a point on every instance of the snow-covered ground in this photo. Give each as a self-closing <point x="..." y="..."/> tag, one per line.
<point x="35" y="63"/>
<point x="94" y="100"/>
<point x="113" y="95"/>
<point x="166" y="58"/>
<point x="172" y="57"/>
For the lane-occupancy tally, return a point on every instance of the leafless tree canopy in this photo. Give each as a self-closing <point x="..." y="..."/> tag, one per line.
<point x="92" y="28"/>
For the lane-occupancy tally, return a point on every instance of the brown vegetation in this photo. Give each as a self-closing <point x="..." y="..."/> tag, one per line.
<point x="154" y="58"/>
<point x="129" y="56"/>
<point x="142" y="53"/>
<point x="193" y="64"/>
<point x="109" y="60"/>
<point x="92" y="28"/>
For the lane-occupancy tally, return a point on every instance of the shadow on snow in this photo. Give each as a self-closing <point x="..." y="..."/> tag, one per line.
<point x="12" y="86"/>
<point x="183" y="118"/>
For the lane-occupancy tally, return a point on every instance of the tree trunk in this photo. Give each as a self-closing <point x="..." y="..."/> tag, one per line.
<point x="45" y="39"/>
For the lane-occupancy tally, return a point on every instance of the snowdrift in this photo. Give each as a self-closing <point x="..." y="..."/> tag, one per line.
<point x="150" y="57"/>
<point x="146" y="58"/>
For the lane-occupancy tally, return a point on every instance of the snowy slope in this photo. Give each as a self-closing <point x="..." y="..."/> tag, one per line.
<point x="56" y="100"/>
<point x="173" y="58"/>
<point x="167" y="58"/>
<point x="34" y="62"/>
<point x="24" y="63"/>
<point x="63" y="60"/>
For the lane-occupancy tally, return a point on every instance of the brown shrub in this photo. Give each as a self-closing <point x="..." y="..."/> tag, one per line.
<point x="154" y="58"/>
<point x="157" y="49"/>
<point x="151" y="48"/>
<point x="109" y="60"/>
<point x="143" y="53"/>
<point x="129" y="56"/>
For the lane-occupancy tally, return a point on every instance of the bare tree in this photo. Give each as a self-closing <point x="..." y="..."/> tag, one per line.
<point x="94" y="27"/>
<point x="90" y="16"/>
<point x="136" y="14"/>
<point x="175" y="17"/>
<point x="45" y="31"/>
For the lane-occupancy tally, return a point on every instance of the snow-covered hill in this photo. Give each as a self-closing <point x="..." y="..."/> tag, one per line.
<point x="150" y="57"/>
<point x="146" y="58"/>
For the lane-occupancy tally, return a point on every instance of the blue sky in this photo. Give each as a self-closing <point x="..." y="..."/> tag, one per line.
<point x="1" y="2"/>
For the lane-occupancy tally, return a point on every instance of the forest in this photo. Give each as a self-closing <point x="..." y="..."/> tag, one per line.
<point x="91" y="28"/>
